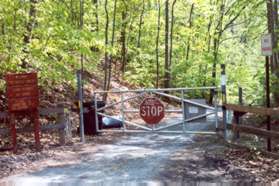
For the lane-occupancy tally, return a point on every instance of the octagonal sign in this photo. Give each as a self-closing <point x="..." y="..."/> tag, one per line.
<point x="152" y="111"/>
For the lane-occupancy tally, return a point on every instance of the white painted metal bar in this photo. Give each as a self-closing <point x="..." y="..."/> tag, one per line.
<point x="162" y="132"/>
<point x="167" y="111"/>
<point x="116" y="103"/>
<point x="169" y="126"/>
<point x="216" y="109"/>
<point x="128" y="122"/>
<point x="122" y="112"/>
<point x="185" y="100"/>
<point x="187" y="120"/>
<point x="157" y="90"/>
<point x="186" y="132"/>
<point x="127" y="131"/>
<point x="183" y="111"/>
<point x="96" y="113"/>
<point x="199" y="117"/>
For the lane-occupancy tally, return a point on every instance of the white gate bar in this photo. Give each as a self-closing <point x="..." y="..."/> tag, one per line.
<point x="186" y="132"/>
<point x="156" y="90"/>
<point x="158" y="132"/>
<point x="122" y="112"/>
<point x="171" y="125"/>
<point x="124" y="100"/>
<point x="167" y="111"/>
<point x="187" y="120"/>
<point x="127" y="131"/>
<point x="185" y="100"/>
<point x="199" y="117"/>
<point x="96" y="113"/>
<point x="128" y="122"/>
<point x="183" y="109"/>
<point x="216" y="109"/>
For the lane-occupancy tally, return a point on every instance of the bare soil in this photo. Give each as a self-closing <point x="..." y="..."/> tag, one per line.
<point x="140" y="158"/>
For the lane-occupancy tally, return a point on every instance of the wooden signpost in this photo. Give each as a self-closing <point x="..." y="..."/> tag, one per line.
<point x="23" y="99"/>
<point x="267" y="51"/>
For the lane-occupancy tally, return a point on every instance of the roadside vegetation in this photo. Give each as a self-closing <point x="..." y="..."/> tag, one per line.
<point x="162" y="43"/>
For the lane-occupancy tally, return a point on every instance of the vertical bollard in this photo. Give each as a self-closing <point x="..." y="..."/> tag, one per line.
<point x="268" y="118"/>
<point x="123" y="112"/>
<point x="216" y="108"/>
<point x="183" y="110"/>
<point x="237" y="117"/>
<point x="80" y="105"/>
<point x="224" y="98"/>
<point x="96" y="113"/>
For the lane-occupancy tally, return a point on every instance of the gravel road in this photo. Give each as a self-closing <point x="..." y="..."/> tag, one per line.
<point x="138" y="159"/>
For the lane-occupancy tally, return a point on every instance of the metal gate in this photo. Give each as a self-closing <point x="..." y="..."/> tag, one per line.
<point x="183" y="115"/>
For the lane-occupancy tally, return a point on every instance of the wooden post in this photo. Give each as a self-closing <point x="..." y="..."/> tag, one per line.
<point x="224" y="97"/>
<point x="240" y="95"/>
<point x="80" y="104"/>
<point x="61" y="120"/>
<point x="236" y="114"/>
<point x="268" y="118"/>
<point x="13" y="131"/>
<point x="37" y="129"/>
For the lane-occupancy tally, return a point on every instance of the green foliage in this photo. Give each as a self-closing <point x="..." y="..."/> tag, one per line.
<point x="57" y="41"/>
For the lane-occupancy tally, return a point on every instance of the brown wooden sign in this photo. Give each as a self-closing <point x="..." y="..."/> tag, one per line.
<point x="23" y="96"/>
<point x="22" y="91"/>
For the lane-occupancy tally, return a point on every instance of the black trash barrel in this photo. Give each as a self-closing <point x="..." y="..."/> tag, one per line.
<point x="90" y="117"/>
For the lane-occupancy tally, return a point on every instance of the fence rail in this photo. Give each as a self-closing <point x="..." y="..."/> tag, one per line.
<point x="240" y="110"/>
<point x="62" y="124"/>
<point x="255" y="110"/>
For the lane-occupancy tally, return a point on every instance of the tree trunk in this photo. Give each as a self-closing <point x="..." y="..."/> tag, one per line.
<point x="14" y="20"/>
<point x="157" y="44"/>
<point x="96" y="5"/>
<point x="276" y="25"/>
<point x="106" y="48"/>
<point x="190" y="21"/>
<point x="216" y="41"/>
<point x="167" y="69"/>
<point x="272" y="20"/>
<point x="141" y="23"/>
<point x="171" y="33"/>
<point x="123" y="41"/>
<point x="113" y="23"/>
<point x="29" y="28"/>
<point x="204" y="72"/>
<point x="3" y="27"/>
<point x="112" y="44"/>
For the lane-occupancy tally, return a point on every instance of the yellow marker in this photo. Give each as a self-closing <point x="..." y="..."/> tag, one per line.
<point x="79" y="104"/>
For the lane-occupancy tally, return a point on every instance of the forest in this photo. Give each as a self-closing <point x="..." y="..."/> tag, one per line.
<point x="148" y="43"/>
<point x="56" y="130"/>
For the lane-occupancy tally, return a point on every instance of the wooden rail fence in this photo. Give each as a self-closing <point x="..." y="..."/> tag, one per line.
<point x="62" y="124"/>
<point x="240" y="110"/>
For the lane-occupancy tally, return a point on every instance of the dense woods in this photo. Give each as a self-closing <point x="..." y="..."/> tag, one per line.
<point x="150" y="43"/>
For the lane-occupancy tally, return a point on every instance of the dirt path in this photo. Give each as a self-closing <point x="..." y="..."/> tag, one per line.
<point x="135" y="159"/>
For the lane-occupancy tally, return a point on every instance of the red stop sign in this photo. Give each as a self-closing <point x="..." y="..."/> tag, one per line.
<point x="152" y="111"/>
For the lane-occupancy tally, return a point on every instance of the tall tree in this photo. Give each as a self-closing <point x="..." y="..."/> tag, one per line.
<point x="190" y="22"/>
<point x="157" y="44"/>
<point x="141" y="23"/>
<point x="96" y="5"/>
<point x="28" y="34"/>
<point x="106" y="69"/>
<point x="123" y="36"/>
<point x="81" y="55"/>
<point x="112" y="44"/>
<point x="167" y="67"/>
<point x="171" y="32"/>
